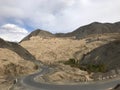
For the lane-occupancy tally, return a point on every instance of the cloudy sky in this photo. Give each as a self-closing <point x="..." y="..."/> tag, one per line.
<point x="19" y="17"/>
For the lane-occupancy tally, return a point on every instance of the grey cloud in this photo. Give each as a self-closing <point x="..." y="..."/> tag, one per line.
<point x="59" y="15"/>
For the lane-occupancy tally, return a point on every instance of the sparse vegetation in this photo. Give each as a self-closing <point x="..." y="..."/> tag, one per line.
<point x="72" y="62"/>
<point x="94" y="67"/>
<point x="14" y="70"/>
<point x="36" y="67"/>
<point x="87" y="67"/>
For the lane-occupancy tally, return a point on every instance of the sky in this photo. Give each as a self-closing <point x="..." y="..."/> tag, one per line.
<point x="19" y="17"/>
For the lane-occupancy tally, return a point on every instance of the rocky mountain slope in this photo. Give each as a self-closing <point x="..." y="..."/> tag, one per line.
<point x="107" y="55"/>
<point x="96" y="28"/>
<point x="40" y="33"/>
<point x="14" y="61"/>
<point x="81" y="32"/>
<point x="87" y="45"/>
<point x="93" y="28"/>
<point x="50" y="50"/>
<point x="17" y="49"/>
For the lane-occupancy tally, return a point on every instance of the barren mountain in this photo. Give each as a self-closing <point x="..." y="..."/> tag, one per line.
<point x="93" y="28"/>
<point x="40" y="33"/>
<point x="81" y="45"/>
<point x="14" y="61"/>
<point x="107" y="55"/>
<point x="50" y="50"/>
<point x="81" y="32"/>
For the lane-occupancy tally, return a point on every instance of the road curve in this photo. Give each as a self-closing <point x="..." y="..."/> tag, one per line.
<point x="100" y="85"/>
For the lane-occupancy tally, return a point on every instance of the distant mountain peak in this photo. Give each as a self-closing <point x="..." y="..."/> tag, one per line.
<point x="95" y="28"/>
<point x="38" y="32"/>
<point x="92" y="28"/>
<point x="96" y="23"/>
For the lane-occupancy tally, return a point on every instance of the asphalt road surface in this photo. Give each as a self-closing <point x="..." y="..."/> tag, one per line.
<point x="100" y="85"/>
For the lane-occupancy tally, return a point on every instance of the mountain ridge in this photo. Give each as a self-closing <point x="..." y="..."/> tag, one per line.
<point x="17" y="48"/>
<point x="95" y="28"/>
<point x="38" y="32"/>
<point x="81" y="32"/>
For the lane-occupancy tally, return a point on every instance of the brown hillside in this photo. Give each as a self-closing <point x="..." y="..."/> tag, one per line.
<point x="108" y="55"/>
<point x="94" y="28"/>
<point x="50" y="50"/>
<point x="40" y="33"/>
<point x="14" y="61"/>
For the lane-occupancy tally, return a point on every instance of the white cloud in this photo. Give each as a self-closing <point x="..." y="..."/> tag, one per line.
<point x="13" y="28"/>
<point x="59" y="15"/>
<point x="11" y="32"/>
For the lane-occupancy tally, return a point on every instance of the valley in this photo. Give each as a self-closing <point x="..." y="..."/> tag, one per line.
<point x="54" y="60"/>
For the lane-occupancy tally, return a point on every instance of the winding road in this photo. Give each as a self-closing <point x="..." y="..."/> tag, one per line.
<point x="100" y="85"/>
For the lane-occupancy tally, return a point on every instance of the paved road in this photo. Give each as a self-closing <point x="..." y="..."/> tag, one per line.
<point x="100" y="85"/>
